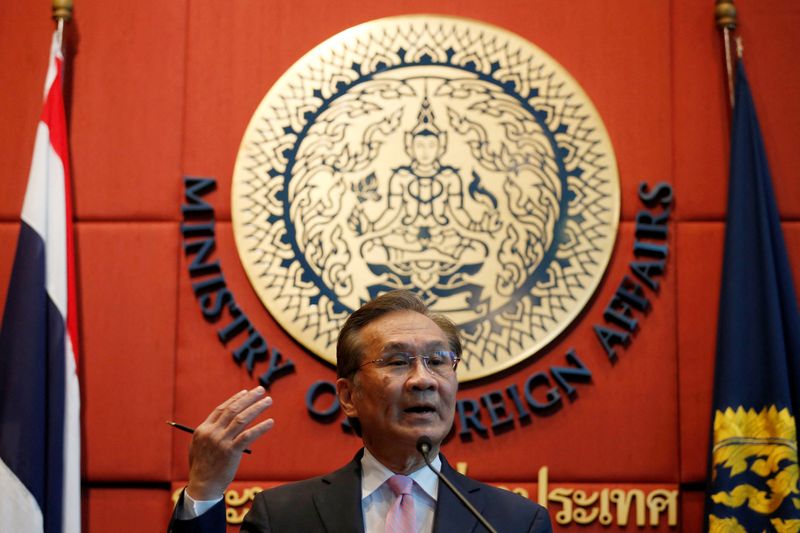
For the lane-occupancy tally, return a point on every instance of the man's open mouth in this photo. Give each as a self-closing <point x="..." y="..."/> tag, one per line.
<point x="420" y="409"/>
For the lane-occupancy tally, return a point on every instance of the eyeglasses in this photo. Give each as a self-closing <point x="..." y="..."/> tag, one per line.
<point x="438" y="363"/>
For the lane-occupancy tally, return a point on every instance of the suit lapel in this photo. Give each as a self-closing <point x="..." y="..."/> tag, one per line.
<point x="338" y="500"/>
<point x="451" y="515"/>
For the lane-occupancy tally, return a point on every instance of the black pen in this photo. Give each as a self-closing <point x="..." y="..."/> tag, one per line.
<point x="187" y="429"/>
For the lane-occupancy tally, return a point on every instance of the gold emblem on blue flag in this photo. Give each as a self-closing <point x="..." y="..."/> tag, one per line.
<point x="435" y="154"/>
<point x="757" y="453"/>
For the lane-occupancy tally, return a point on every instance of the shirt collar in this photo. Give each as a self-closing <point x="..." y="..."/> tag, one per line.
<point x="374" y="474"/>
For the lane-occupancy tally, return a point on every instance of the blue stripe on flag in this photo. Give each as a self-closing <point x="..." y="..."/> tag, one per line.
<point x="32" y="373"/>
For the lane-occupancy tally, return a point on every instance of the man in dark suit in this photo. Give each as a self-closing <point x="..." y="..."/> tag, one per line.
<point x="396" y="368"/>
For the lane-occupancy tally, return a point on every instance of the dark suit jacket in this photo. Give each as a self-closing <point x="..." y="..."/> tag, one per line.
<point x="332" y="504"/>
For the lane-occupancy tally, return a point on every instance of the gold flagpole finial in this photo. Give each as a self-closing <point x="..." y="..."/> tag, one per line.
<point x="725" y="13"/>
<point x="62" y="10"/>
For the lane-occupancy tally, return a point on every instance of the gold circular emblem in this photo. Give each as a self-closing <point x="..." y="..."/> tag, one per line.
<point x="436" y="154"/>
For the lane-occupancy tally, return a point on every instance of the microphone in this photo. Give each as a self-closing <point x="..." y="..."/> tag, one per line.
<point x="424" y="446"/>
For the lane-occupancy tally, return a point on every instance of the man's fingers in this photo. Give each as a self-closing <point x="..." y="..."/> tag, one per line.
<point x="239" y="404"/>
<point x="251" y="435"/>
<point x="217" y="412"/>
<point x="239" y="422"/>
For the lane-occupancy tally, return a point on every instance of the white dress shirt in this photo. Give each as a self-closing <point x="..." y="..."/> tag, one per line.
<point x="376" y="496"/>
<point x="193" y="508"/>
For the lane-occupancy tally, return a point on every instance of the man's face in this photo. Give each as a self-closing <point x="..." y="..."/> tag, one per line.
<point x="395" y="410"/>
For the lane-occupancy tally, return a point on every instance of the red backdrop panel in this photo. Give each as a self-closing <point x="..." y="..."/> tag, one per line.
<point x="163" y="89"/>
<point x="701" y="112"/>
<point x="126" y="510"/>
<point x="128" y="275"/>
<point x="127" y="109"/>
<point x="25" y="30"/>
<point x="692" y="512"/>
<point x="699" y="261"/>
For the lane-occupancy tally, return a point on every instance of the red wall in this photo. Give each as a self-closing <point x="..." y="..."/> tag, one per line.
<point x="165" y="89"/>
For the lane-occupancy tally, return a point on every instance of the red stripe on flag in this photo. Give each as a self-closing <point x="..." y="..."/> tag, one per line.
<point x="53" y="114"/>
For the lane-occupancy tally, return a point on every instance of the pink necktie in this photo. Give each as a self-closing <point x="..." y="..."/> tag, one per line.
<point x="401" y="517"/>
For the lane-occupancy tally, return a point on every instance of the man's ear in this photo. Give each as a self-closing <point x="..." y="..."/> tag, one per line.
<point x="345" y="389"/>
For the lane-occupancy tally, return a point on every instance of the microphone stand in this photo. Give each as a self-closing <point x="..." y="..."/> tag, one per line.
<point x="424" y="447"/>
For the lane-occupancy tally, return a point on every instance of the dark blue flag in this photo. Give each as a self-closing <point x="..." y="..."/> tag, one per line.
<point x="753" y="470"/>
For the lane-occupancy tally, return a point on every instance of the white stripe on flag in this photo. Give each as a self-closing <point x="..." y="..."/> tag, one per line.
<point x="34" y="208"/>
<point x="72" y="444"/>
<point x="55" y="52"/>
<point x="44" y="210"/>
<point x="18" y="507"/>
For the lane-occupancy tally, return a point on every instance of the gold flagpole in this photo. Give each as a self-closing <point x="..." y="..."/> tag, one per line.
<point x="725" y="13"/>
<point x="62" y="10"/>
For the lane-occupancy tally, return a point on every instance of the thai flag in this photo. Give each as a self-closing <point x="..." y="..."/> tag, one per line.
<point x="39" y="397"/>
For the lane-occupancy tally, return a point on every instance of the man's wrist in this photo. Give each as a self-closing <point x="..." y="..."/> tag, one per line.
<point x="202" y="492"/>
<point x="192" y="508"/>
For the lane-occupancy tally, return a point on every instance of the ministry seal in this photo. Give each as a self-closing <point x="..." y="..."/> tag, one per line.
<point x="435" y="154"/>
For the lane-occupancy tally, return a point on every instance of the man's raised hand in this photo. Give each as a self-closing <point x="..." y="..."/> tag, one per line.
<point x="218" y="443"/>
